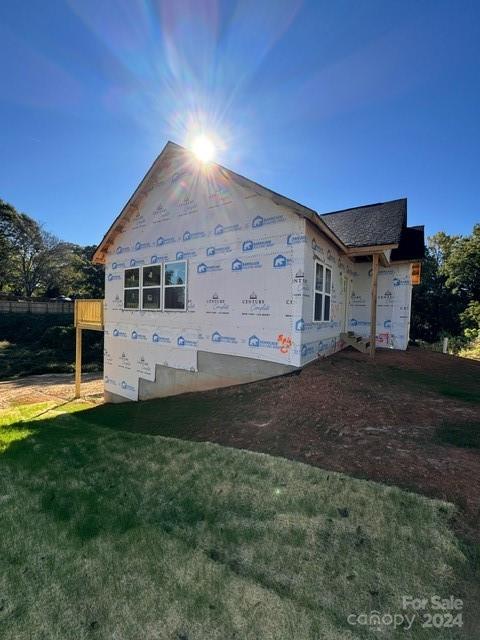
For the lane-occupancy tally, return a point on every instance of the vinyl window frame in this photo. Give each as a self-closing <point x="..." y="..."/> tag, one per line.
<point x="171" y="286"/>
<point x="162" y="286"/>
<point x="153" y="286"/>
<point x="323" y="292"/>
<point x="136" y="288"/>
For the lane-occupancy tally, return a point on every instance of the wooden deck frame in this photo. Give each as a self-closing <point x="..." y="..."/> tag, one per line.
<point x="88" y="314"/>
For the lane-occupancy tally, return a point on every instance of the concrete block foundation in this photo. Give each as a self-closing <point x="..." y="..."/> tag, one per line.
<point x="214" y="371"/>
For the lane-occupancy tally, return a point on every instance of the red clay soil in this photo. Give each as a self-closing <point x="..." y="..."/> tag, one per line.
<point x="370" y="419"/>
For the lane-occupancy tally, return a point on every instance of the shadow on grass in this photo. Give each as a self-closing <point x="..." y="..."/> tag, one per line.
<point x="182" y="416"/>
<point x="81" y="480"/>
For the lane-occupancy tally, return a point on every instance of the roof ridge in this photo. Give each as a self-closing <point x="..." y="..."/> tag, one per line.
<point x="362" y="206"/>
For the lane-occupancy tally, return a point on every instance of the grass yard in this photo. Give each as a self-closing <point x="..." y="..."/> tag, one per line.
<point x="118" y="535"/>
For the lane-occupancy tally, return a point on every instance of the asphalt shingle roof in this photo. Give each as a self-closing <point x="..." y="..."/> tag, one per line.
<point x="369" y="225"/>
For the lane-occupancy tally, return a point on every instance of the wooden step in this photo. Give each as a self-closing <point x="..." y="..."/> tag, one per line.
<point x="355" y="341"/>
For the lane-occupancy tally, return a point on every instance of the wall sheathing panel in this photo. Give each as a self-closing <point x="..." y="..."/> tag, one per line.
<point x="244" y="253"/>
<point x="394" y="297"/>
<point x="321" y="339"/>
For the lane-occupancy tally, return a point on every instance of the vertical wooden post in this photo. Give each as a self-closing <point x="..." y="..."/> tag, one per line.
<point x="78" y="350"/>
<point x="373" y="303"/>
<point x="78" y="360"/>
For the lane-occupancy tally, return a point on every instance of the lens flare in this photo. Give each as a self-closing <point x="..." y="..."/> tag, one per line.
<point x="203" y="148"/>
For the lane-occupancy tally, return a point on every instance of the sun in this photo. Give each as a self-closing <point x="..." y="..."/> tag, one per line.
<point x="203" y="148"/>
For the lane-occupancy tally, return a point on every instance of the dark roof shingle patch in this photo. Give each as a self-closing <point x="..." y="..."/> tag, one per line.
<point x="369" y="225"/>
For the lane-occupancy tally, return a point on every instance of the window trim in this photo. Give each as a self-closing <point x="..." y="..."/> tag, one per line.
<point x="169" y="286"/>
<point x="323" y="293"/>
<point x="153" y="286"/>
<point x="139" y="289"/>
<point x="162" y="286"/>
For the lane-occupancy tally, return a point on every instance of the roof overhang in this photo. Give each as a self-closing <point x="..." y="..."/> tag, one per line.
<point x="171" y="150"/>
<point x="366" y="251"/>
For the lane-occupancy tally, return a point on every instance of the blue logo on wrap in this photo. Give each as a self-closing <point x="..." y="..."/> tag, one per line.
<point x="134" y="263"/>
<point x="161" y="241"/>
<point x="294" y="238"/>
<point x="211" y="251"/>
<point x="217" y="337"/>
<point x="111" y="277"/>
<point x="256" y="342"/>
<point x="251" y="245"/>
<point x="188" y="235"/>
<point x="184" y="342"/>
<point x="300" y="325"/>
<point x="279" y="262"/>
<point x="138" y="336"/>
<point x="359" y="323"/>
<point x="127" y="387"/>
<point x="317" y="248"/>
<point x="240" y="265"/>
<point x="156" y="259"/>
<point x="206" y="268"/>
<point x="116" y="333"/>
<point x="142" y="245"/>
<point x="237" y="265"/>
<point x="122" y="250"/>
<point x="220" y="229"/>
<point x="184" y="255"/>
<point x="160" y="339"/>
<point x="400" y="282"/>
<point x="308" y="350"/>
<point x="387" y="324"/>
<point x="260" y="221"/>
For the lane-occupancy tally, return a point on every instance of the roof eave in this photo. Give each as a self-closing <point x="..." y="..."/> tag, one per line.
<point x="370" y="249"/>
<point x="99" y="257"/>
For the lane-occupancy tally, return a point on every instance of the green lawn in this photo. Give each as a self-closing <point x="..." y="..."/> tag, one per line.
<point x="110" y="534"/>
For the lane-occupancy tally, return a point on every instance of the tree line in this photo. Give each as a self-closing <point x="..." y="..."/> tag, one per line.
<point x="447" y="302"/>
<point x="34" y="262"/>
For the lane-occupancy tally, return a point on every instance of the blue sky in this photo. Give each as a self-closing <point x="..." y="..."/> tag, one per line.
<point x="334" y="104"/>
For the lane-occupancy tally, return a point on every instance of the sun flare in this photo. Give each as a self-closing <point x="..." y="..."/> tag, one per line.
<point x="203" y="148"/>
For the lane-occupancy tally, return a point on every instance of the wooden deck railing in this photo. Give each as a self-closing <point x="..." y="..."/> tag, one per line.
<point x="89" y="314"/>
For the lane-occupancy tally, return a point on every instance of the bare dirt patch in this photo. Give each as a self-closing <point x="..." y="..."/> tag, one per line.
<point x="45" y="388"/>
<point x="371" y="419"/>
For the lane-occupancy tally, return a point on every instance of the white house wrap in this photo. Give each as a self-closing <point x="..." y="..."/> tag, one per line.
<point x="231" y="297"/>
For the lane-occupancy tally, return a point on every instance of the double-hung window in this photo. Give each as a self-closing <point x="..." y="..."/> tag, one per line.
<point x="131" y="285"/>
<point x="322" y="290"/>
<point x="152" y="287"/>
<point x="175" y="286"/>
